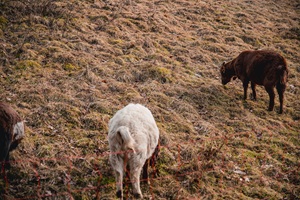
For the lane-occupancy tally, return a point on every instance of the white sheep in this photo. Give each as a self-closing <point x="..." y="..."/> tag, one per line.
<point x="11" y="132"/>
<point x="133" y="137"/>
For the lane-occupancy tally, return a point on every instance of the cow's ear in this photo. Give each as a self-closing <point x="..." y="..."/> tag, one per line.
<point x="223" y="68"/>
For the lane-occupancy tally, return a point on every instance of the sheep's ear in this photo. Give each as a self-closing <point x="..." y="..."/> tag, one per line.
<point x="234" y="77"/>
<point x="131" y="147"/>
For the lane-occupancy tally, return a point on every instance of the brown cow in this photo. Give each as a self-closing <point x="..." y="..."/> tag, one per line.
<point x="261" y="67"/>
<point x="11" y="132"/>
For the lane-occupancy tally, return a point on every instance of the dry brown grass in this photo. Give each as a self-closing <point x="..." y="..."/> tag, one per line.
<point x="68" y="66"/>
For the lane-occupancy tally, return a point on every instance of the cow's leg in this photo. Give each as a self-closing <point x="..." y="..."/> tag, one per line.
<point x="271" y="93"/>
<point x="135" y="172"/>
<point x="280" y="89"/>
<point x="253" y="86"/>
<point x="245" y="85"/>
<point x="4" y="154"/>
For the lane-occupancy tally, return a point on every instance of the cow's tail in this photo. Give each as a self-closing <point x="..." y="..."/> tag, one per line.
<point x="283" y="74"/>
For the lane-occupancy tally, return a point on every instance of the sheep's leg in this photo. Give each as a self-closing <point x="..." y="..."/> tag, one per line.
<point x="135" y="180"/>
<point x="117" y="165"/>
<point x="271" y="93"/>
<point x="280" y="89"/>
<point x="119" y="182"/>
<point x="245" y="85"/>
<point x="253" y="86"/>
<point x="145" y="170"/>
<point x="154" y="159"/>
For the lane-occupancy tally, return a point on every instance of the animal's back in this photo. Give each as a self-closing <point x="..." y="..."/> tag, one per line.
<point x="262" y="65"/>
<point x="8" y="116"/>
<point x="141" y="124"/>
<point x="11" y="129"/>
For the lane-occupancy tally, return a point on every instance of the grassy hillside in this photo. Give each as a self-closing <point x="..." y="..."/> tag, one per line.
<point x="68" y="66"/>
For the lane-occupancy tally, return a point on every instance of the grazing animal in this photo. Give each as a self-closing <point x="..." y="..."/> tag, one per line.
<point x="133" y="138"/>
<point x="11" y="132"/>
<point x="260" y="67"/>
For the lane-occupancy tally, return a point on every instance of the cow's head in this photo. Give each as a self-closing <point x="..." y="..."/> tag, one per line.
<point x="227" y="72"/>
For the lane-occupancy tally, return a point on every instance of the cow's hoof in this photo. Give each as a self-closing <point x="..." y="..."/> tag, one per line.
<point x="138" y="196"/>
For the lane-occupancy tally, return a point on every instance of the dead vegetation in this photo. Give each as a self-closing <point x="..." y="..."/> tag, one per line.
<point x="68" y="66"/>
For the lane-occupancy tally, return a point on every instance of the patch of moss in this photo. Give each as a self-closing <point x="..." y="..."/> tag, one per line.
<point x="116" y="41"/>
<point x="70" y="67"/>
<point x="27" y="64"/>
<point x="3" y="22"/>
<point x="107" y="180"/>
<point x="252" y="154"/>
<point x="71" y="115"/>
<point x="162" y="74"/>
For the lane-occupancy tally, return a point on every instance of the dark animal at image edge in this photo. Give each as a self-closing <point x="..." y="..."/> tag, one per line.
<point x="261" y="67"/>
<point x="11" y="132"/>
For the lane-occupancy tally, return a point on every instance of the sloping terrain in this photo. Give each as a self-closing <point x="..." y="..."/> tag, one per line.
<point x="68" y="66"/>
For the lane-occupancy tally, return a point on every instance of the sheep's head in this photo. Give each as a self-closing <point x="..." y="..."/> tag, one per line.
<point x="227" y="72"/>
<point x="18" y="134"/>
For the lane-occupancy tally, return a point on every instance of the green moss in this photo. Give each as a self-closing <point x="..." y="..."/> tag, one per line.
<point x="252" y="154"/>
<point x="27" y="64"/>
<point x="3" y="22"/>
<point x="162" y="74"/>
<point x="106" y="180"/>
<point x="116" y="41"/>
<point x="71" y="115"/>
<point x="70" y="67"/>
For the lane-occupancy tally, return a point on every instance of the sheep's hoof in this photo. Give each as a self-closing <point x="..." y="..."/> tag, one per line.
<point x="138" y="196"/>
<point x="7" y="166"/>
<point x="119" y="194"/>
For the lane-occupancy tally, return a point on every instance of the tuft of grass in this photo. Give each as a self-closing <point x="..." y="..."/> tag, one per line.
<point x="3" y="22"/>
<point x="27" y="65"/>
<point x="162" y="74"/>
<point x="70" y="67"/>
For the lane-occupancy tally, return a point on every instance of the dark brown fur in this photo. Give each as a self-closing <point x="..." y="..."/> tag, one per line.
<point x="152" y="162"/>
<point x="261" y="67"/>
<point x="8" y="118"/>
